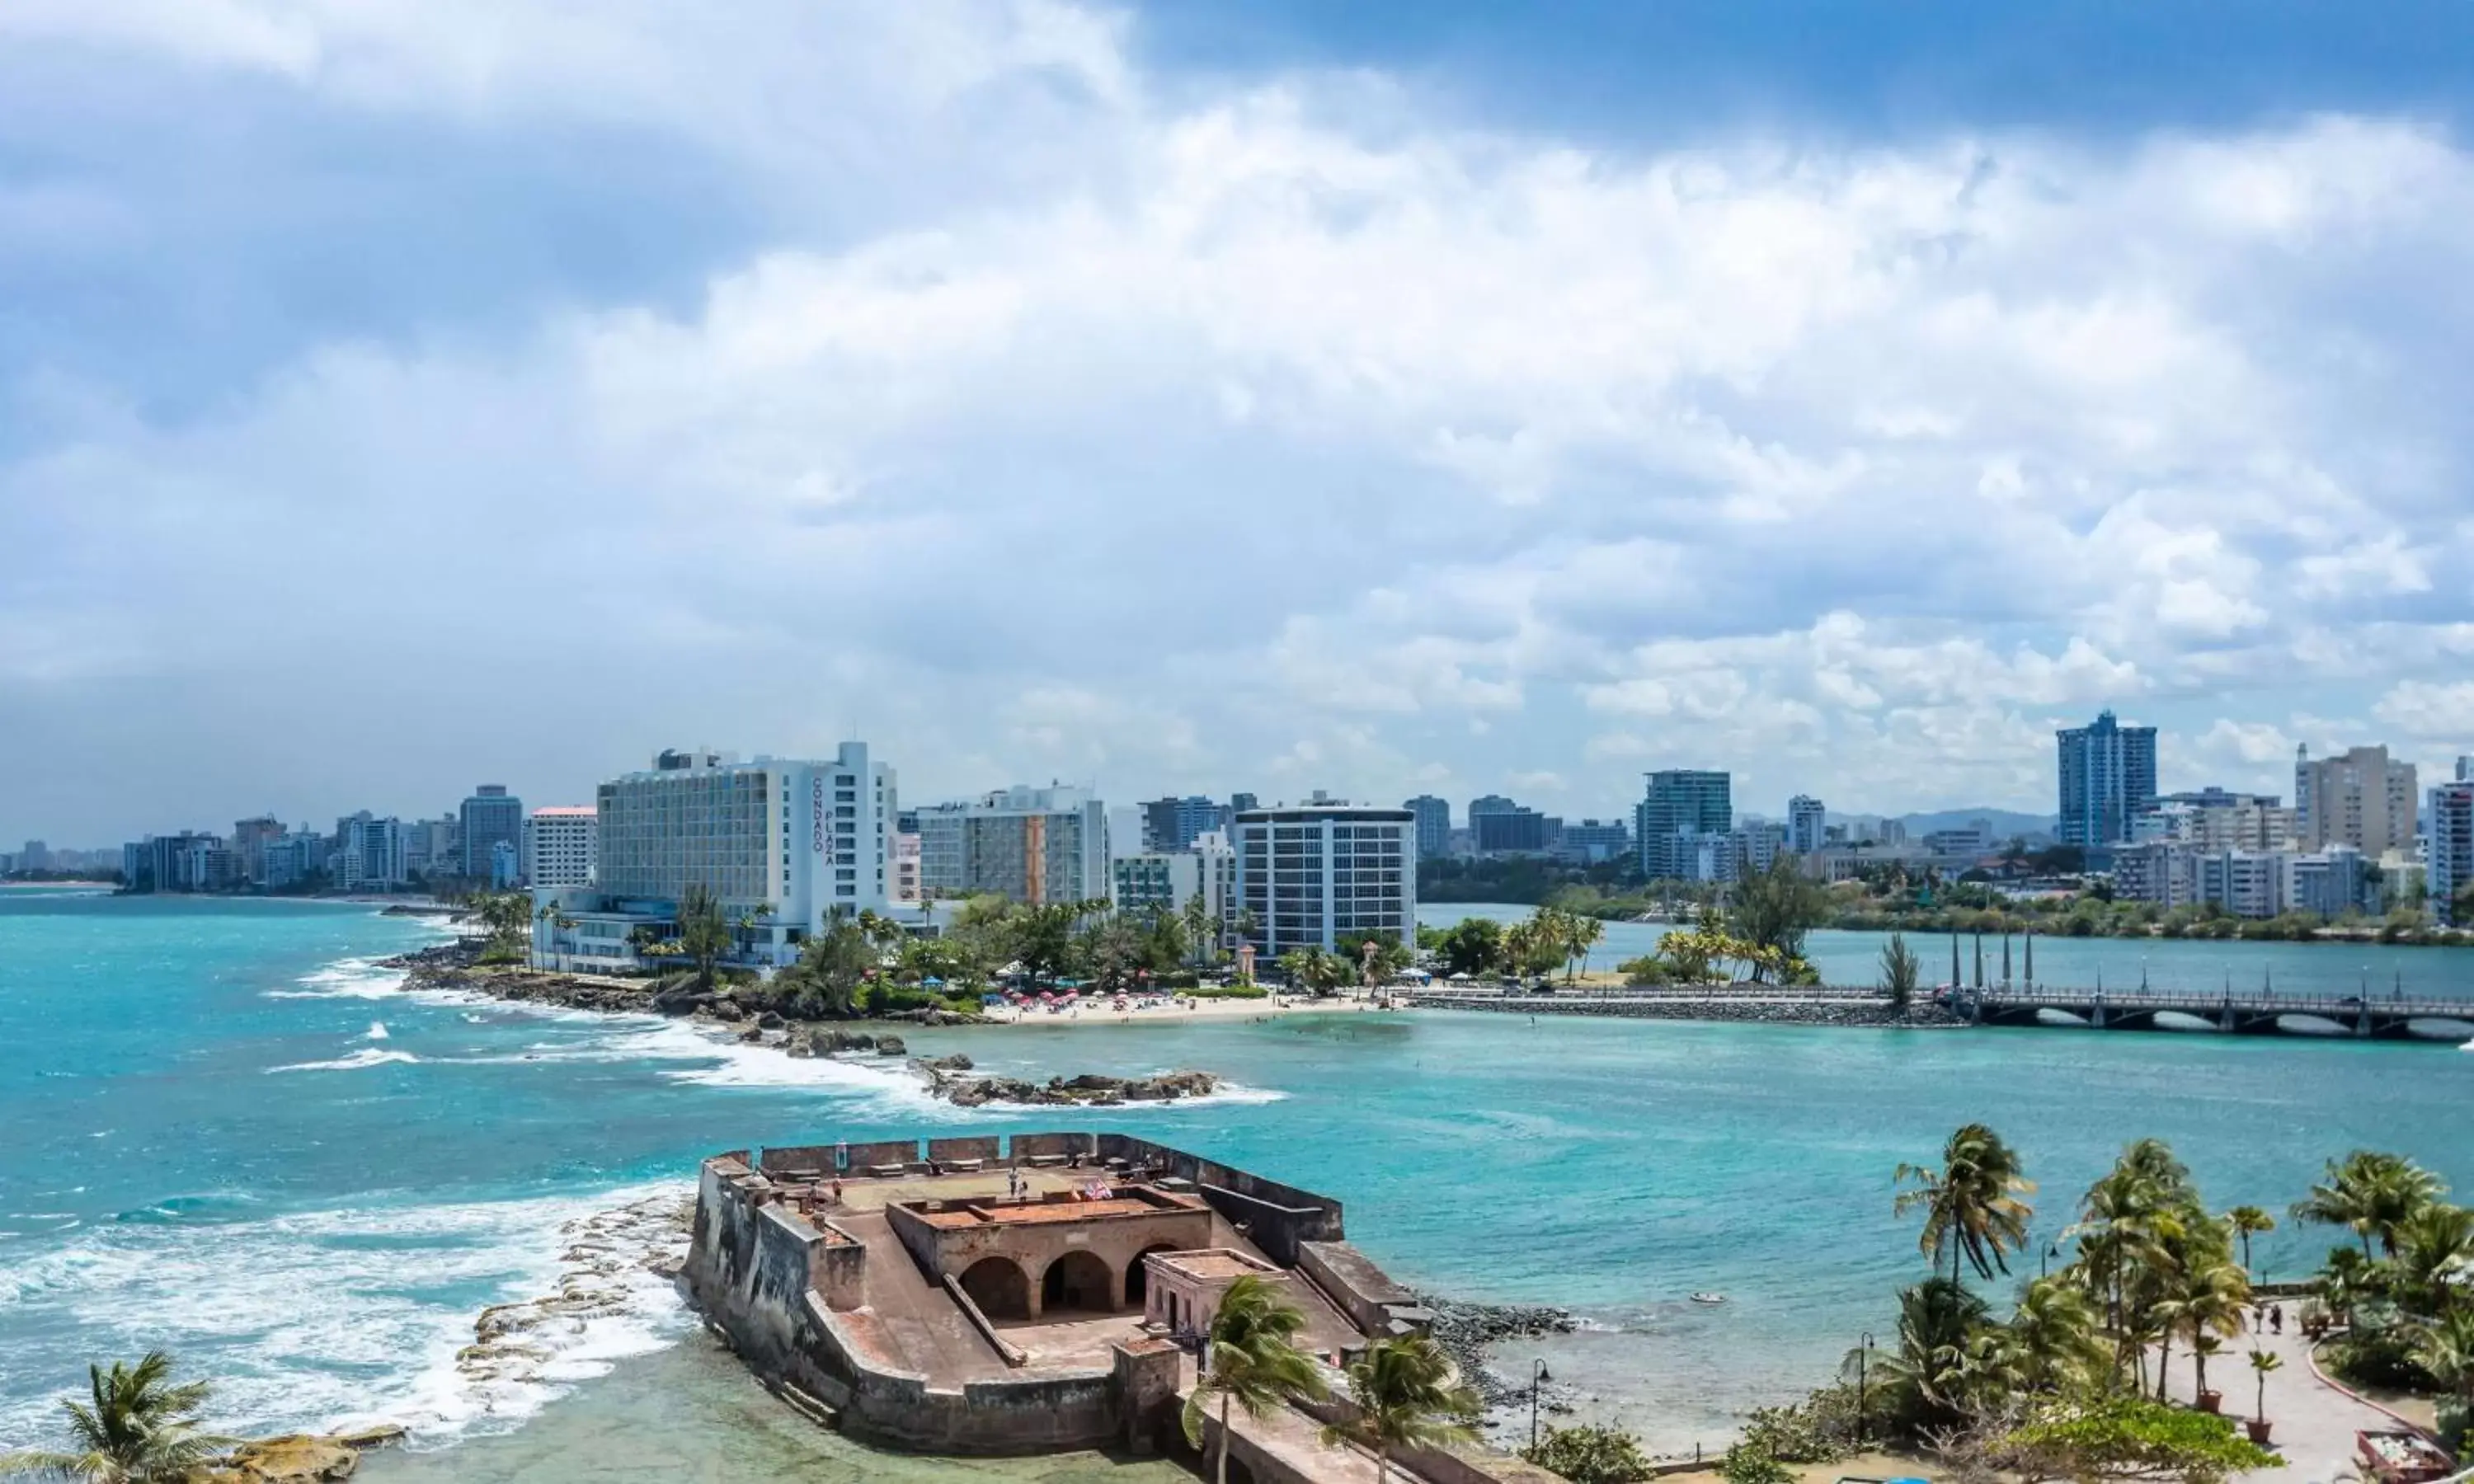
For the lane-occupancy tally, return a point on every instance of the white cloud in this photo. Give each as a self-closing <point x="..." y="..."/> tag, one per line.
<point x="1187" y="434"/>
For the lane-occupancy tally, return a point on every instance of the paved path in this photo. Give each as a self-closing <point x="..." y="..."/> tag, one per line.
<point x="2315" y="1423"/>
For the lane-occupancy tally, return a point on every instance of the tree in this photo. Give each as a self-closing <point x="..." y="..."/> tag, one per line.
<point x="1748" y="1463"/>
<point x="1971" y="1203"/>
<point x="704" y="931"/>
<point x="139" y="1429"/>
<point x="2262" y="1362"/>
<point x="831" y="968"/>
<point x="2057" y="1330"/>
<point x="1929" y="1379"/>
<point x="2204" y="1305"/>
<point x="1774" y="909"/>
<point x="1251" y="1361"/>
<point x="1201" y="931"/>
<point x="1041" y="937"/>
<point x="1900" y="971"/>
<point x="2444" y="1348"/>
<point x="1591" y="1456"/>
<point x="1406" y="1397"/>
<point x="1315" y="970"/>
<point x="2247" y="1222"/>
<point x="2370" y="1194"/>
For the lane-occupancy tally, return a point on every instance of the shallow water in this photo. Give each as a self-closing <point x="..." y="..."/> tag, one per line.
<point x="198" y="1149"/>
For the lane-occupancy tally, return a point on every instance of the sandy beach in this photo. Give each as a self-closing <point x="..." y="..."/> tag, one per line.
<point x="1183" y="1011"/>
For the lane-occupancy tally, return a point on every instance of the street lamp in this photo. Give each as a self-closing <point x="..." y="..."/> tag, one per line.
<point x="1538" y="1378"/>
<point x="1863" y="1365"/>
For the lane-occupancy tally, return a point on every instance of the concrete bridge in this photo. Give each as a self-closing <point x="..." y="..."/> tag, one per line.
<point x="2371" y="1016"/>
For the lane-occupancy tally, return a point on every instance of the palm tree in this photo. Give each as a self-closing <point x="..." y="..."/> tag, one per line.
<point x="2445" y="1350"/>
<point x="1900" y="971"/>
<point x="1926" y="1378"/>
<point x="1198" y="933"/>
<point x="2206" y="1304"/>
<point x="704" y="931"/>
<point x="2247" y="1222"/>
<point x="1407" y="1395"/>
<point x="1971" y="1203"/>
<point x="140" y="1429"/>
<point x="2370" y="1194"/>
<point x="2263" y="1361"/>
<point x="2057" y="1330"/>
<point x="2435" y="1254"/>
<point x="1581" y="933"/>
<point x="1251" y="1361"/>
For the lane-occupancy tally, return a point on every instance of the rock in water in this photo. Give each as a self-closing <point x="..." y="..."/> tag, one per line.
<point x="296" y="1459"/>
<point x="889" y="1045"/>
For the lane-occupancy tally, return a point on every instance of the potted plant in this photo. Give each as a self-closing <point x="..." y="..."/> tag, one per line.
<point x="2262" y="1362"/>
<point x="2202" y="1347"/>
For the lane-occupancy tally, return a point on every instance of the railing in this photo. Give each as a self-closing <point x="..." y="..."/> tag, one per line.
<point x="2165" y="999"/>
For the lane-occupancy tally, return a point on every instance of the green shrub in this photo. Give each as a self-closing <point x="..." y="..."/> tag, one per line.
<point x="1646" y="971"/>
<point x="1591" y="1456"/>
<point x="1819" y="1429"/>
<point x="1230" y="991"/>
<point x="1748" y="1463"/>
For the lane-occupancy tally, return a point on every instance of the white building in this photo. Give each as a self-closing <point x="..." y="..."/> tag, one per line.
<point x="1316" y="873"/>
<point x="785" y="845"/>
<point x="562" y="845"/>
<point x="1166" y="880"/>
<point x="1804" y="823"/>
<point x="1031" y="845"/>
<point x="2249" y="825"/>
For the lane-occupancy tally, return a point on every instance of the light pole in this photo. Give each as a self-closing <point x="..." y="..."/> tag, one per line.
<point x="1863" y="1365"/>
<point x="1538" y="1378"/>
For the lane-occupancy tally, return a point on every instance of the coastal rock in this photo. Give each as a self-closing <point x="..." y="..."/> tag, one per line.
<point x="726" y="1009"/>
<point x="1090" y="1090"/>
<point x="297" y="1458"/>
<point x="889" y="1045"/>
<point x="770" y="1021"/>
<point x="956" y="1063"/>
<point x="752" y="1035"/>
<point x="1466" y="1330"/>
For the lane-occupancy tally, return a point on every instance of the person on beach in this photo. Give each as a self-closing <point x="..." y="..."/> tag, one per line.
<point x="2276" y="1319"/>
<point x="837" y="1190"/>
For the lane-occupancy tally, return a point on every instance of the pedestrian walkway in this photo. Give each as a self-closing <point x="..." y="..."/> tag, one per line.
<point x="2315" y="1423"/>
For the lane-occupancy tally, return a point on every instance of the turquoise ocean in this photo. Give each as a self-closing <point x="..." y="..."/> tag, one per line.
<point x="225" y="1131"/>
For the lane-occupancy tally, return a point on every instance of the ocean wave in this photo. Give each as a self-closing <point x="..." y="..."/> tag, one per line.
<point x="377" y="1031"/>
<point x="334" y="1318"/>
<point x="370" y="1056"/>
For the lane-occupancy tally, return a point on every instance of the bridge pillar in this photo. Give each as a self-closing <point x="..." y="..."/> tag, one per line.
<point x="2362" y="1021"/>
<point x="2098" y="1019"/>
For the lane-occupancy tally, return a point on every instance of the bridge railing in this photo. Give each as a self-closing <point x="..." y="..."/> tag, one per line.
<point x="2165" y="999"/>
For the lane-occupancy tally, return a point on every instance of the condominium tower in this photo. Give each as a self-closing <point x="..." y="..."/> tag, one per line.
<point x="2108" y="777"/>
<point x="1316" y="873"/>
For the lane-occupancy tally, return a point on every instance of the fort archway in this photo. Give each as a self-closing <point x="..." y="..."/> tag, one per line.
<point x="999" y="1288"/>
<point x="1077" y="1280"/>
<point x="1138" y="1287"/>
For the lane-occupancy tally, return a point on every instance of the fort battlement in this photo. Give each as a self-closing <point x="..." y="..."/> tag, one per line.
<point x="991" y="1295"/>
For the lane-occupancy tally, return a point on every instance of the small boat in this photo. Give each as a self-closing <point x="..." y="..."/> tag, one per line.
<point x="1709" y="1297"/>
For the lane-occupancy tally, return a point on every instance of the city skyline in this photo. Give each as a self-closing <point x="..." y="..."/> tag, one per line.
<point x="1851" y="437"/>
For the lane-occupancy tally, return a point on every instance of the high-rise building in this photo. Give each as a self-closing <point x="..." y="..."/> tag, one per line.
<point x="371" y="856"/>
<point x="1171" y="823"/>
<point x="1317" y="873"/>
<point x="1685" y="810"/>
<point x="905" y="866"/>
<point x="2108" y="775"/>
<point x="1238" y="804"/>
<point x="788" y="844"/>
<point x="2448" y="850"/>
<point x="1758" y="844"/>
<point x="2357" y="798"/>
<point x="562" y="845"/>
<point x="491" y="817"/>
<point x="1031" y="845"/>
<point x="1587" y="842"/>
<point x="1806" y="828"/>
<point x="1433" y="817"/>
<point x="1167" y="880"/>
<point x="250" y="839"/>
<point x="1499" y="827"/>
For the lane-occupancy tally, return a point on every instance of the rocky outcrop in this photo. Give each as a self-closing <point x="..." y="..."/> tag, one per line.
<point x="1090" y="1090"/>
<point x="889" y="1045"/>
<point x="298" y="1458"/>
<point x="1465" y="1330"/>
<point x="956" y="1063"/>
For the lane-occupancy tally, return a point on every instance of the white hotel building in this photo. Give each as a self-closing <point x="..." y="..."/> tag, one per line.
<point x="562" y="845"/>
<point x="1316" y="873"/>
<point x="787" y="844"/>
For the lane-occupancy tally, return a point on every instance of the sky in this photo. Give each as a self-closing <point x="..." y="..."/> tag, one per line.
<point x="1454" y="397"/>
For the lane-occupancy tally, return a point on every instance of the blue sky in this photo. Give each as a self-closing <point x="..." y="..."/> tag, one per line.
<point x="1386" y="399"/>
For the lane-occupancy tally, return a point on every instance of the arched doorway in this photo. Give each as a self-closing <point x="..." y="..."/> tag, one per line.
<point x="1076" y="1280"/>
<point x="998" y="1287"/>
<point x="1138" y="1277"/>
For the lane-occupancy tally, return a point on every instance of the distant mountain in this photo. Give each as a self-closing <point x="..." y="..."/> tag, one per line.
<point x="2006" y="822"/>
